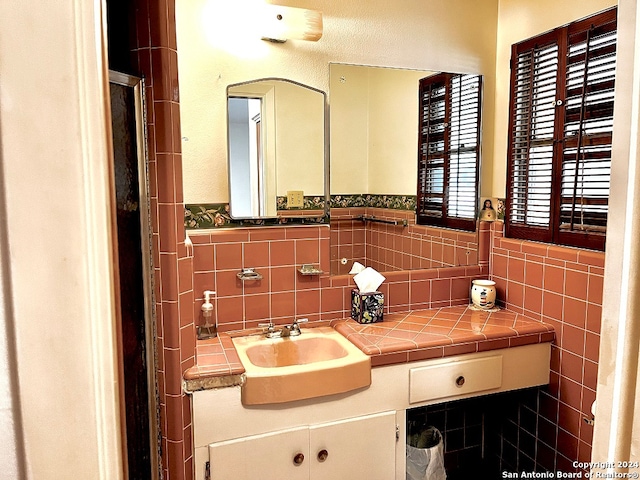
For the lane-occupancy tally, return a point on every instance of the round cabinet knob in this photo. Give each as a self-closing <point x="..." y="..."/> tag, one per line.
<point x="298" y="459"/>
<point x="322" y="455"/>
<point x="460" y="381"/>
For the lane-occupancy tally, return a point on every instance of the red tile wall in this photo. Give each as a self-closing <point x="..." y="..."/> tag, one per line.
<point x="388" y="247"/>
<point x="348" y="239"/>
<point x="155" y="52"/>
<point x="283" y="293"/>
<point x="561" y="286"/>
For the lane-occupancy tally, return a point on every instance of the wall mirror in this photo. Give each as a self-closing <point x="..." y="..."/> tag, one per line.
<point x="276" y="149"/>
<point x="374" y="152"/>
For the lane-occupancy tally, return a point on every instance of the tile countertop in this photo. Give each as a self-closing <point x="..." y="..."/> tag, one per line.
<point x="400" y="338"/>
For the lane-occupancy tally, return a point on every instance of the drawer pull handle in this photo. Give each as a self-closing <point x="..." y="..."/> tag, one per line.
<point x="298" y="459"/>
<point x="322" y="455"/>
<point x="460" y="381"/>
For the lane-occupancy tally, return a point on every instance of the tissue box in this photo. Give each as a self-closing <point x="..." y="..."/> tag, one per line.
<point x="367" y="307"/>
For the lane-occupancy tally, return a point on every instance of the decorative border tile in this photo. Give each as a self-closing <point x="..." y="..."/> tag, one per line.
<point x="309" y="203"/>
<point x="207" y="216"/>
<point x="395" y="202"/>
<point x="216" y="215"/>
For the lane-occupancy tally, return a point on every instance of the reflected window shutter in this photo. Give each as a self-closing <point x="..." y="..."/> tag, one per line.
<point x="448" y="157"/>
<point x="432" y="140"/>
<point x="463" y="146"/>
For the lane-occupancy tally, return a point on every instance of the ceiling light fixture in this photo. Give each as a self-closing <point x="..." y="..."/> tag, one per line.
<point x="288" y="23"/>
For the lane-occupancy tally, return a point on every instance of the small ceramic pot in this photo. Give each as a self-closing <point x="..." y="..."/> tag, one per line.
<point x="483" y="293"/>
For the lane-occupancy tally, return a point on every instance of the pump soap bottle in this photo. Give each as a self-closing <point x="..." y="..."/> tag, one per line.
<point x="207" y="330"/>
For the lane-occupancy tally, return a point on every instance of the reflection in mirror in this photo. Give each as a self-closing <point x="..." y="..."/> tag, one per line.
<point x="449" y="150"/>
<point x="276" y="149"/>
<point x="374" y="141"/>
<point x="247" y="171"/>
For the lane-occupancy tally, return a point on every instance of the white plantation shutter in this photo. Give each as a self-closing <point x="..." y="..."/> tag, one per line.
<point x="562" y="87"/>
<point x="448" y="157"/>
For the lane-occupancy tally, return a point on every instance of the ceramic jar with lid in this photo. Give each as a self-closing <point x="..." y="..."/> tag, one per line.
<point x="483" y="293"/>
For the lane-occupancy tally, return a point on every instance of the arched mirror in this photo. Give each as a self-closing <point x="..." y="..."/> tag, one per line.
<point x="276" y="149"/>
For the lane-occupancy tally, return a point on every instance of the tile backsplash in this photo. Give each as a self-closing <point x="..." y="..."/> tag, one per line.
<point x="283" y="293"/>
<point x="388" y="247"/>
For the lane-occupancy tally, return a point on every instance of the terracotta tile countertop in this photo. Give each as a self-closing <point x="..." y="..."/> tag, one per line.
<point x="400" y="338"/>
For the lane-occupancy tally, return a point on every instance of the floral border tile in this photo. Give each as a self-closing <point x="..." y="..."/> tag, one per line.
<point x="216" y="215"/>
<point x="207" y="216"/>
<point x="347" y="201"/>
<point x="308" y="203"/>
<point x="395" y="202"/>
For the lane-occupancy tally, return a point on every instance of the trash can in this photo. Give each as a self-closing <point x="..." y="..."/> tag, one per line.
<point x="425" y="455"/>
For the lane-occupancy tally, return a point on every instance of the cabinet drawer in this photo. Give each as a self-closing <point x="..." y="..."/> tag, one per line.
<point x="455" y="378"/>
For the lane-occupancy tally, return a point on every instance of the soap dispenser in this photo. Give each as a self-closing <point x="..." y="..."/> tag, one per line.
<point x="207" y="330"/>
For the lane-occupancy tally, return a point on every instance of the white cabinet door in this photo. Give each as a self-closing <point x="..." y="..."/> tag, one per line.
<point x="271" y="456"/>
<point x="362" y="448"/>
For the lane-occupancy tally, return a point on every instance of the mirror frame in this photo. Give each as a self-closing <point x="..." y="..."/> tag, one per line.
<point x="326" y="162"/>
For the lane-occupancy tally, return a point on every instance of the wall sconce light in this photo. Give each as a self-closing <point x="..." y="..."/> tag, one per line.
<point x="283" y="23"/>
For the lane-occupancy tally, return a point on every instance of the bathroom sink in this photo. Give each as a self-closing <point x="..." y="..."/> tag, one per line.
<point x="316" y="363"/>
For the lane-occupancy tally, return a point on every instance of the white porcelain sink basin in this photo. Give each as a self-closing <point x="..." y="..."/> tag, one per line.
<point x="316" y="363"/>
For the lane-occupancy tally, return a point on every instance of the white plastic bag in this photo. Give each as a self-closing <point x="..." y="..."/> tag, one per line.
<point x="426" y="463"/>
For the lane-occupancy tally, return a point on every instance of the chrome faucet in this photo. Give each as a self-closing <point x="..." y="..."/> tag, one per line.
<point x="286" y="331"/>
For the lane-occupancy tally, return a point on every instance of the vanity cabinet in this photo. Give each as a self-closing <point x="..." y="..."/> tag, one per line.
<point x="357" y="428"/>
<point x="361" y="448"/>
<point x="269" y="457"/>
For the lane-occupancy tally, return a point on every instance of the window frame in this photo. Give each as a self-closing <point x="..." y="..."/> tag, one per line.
<point x="427" y="212"/>
<point x="555" y="232"/>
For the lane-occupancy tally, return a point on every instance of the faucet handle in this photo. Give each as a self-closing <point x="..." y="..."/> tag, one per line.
<point x="295" y="325"/>
<point x="268" y="327"/>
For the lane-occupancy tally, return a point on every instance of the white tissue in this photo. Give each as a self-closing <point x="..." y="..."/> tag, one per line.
<point x="368" y="280"/>
<point x="356" y="268"/>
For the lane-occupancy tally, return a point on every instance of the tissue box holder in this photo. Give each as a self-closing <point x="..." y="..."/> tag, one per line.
<point x="367" y="307"/>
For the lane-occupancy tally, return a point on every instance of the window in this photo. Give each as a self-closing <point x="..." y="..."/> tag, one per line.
<point x="449" y="150"/>
<point x="561" y="122"/>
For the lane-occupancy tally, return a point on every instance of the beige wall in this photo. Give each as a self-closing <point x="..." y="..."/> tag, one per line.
<point x="458" y="35"/>
<point x="349" y="119"/>
<point x="517" y="21"/>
